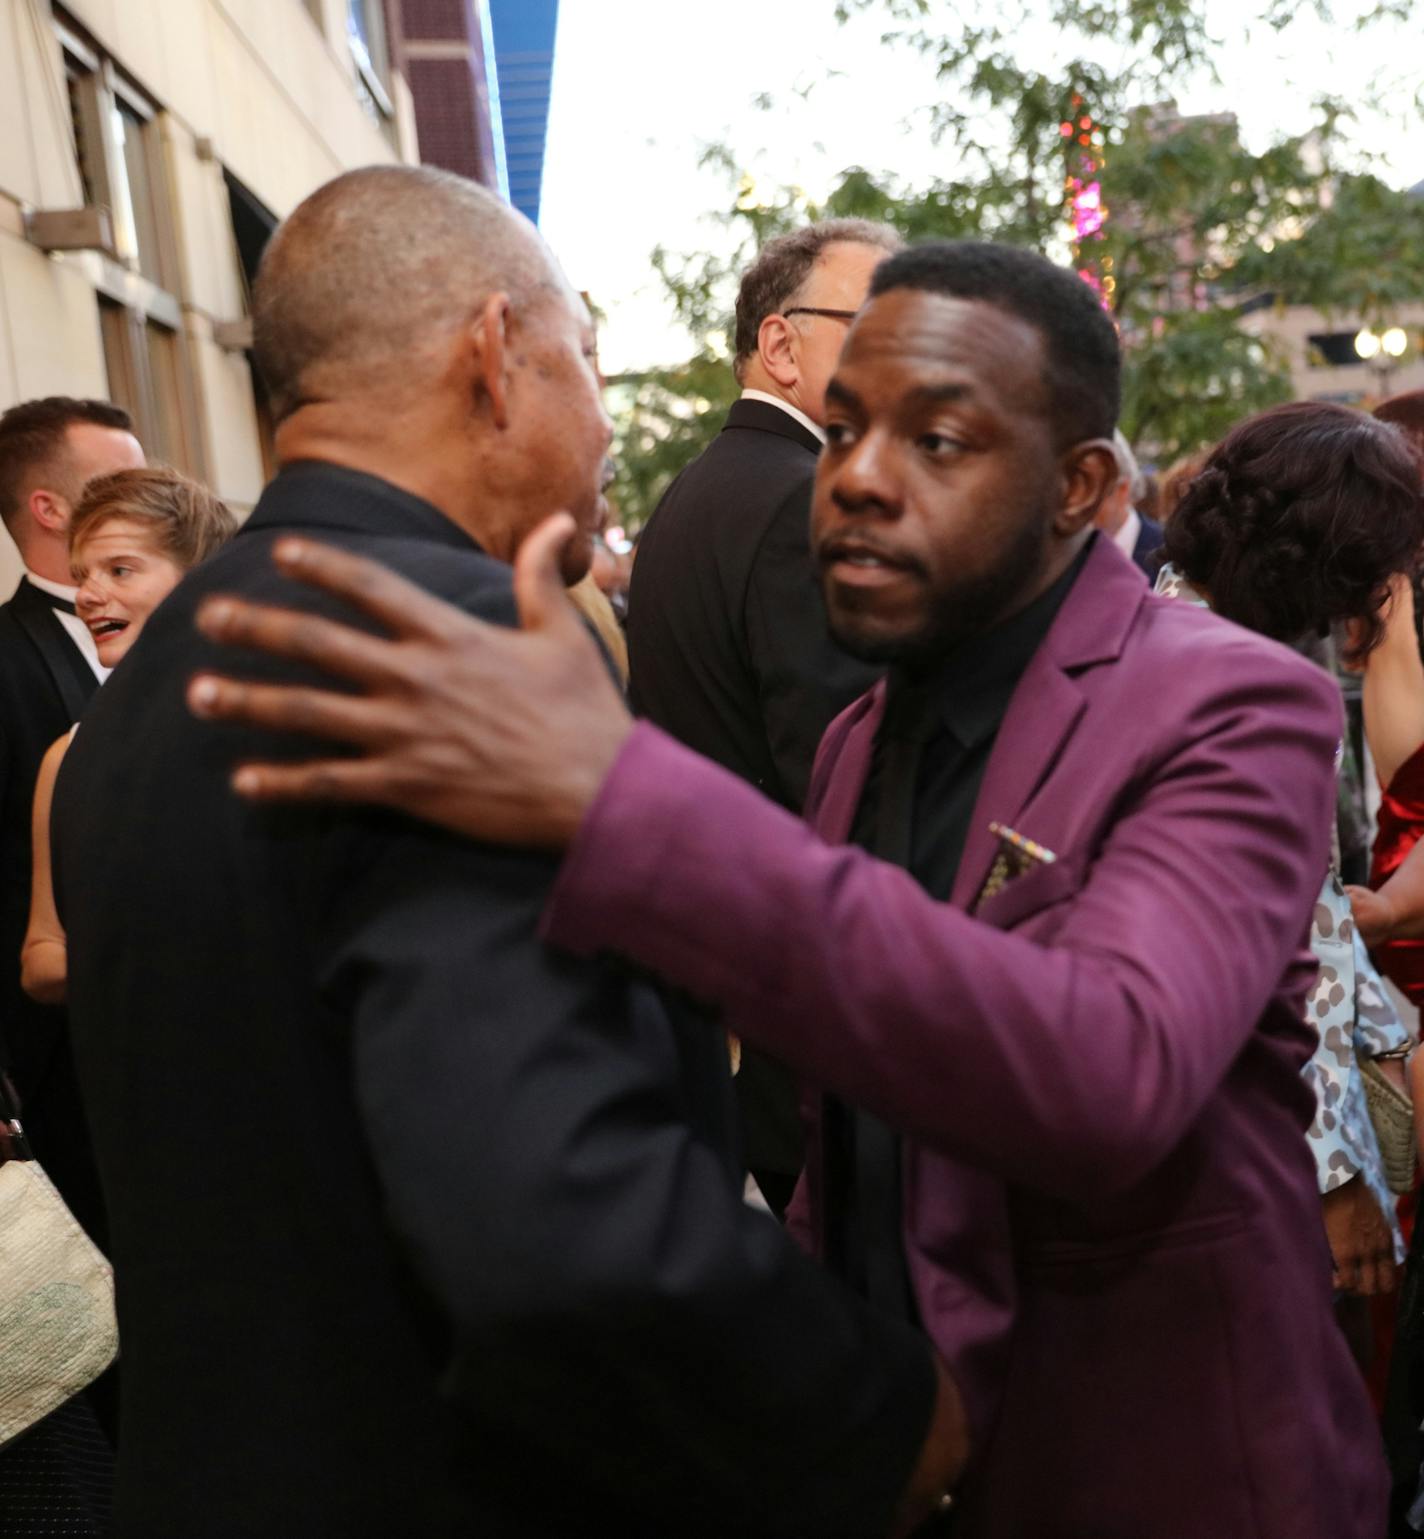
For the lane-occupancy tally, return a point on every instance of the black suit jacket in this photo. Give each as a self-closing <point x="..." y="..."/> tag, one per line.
<point x="729" y="652"/>
<point x="1150" y="539"/>
<point x="420" y="1228"/>
<point x="727" y="642"/>
<point x="44" y="684"/>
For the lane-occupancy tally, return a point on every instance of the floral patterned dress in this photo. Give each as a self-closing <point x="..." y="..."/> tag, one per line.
<point x="1353" y="1017"/>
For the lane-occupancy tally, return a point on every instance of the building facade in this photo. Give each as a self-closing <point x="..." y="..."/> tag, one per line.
<point x="1320" y="352"/>
<point x="447" y="50"/>
<point x="146" y="149"/>
<point x="481" y="73"/>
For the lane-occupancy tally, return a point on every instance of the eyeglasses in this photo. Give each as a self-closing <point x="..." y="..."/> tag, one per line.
<point x="834" y="315"/>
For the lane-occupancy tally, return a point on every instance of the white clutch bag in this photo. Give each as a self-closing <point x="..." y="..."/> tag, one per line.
<point x="57" y="1327"/>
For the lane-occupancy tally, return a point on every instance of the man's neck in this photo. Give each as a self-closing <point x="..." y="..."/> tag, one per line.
<point x="408" y="460"/>
<point x="48" y="561"/>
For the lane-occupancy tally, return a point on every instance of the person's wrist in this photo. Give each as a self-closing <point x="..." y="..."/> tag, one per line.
<point x="591" y="771"/>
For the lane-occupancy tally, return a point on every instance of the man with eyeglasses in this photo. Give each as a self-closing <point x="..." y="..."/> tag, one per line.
<point x="728" y="645"/>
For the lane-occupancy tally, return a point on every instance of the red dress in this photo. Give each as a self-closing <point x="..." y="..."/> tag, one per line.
<point x="1401" y="823"/>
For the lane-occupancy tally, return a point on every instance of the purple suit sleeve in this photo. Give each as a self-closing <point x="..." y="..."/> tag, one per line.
<point x="1072" y="1066"/>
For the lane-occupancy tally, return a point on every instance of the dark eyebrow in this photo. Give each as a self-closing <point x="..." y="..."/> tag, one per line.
<point x="932" y="395"/>
<point x="836" y="391"/>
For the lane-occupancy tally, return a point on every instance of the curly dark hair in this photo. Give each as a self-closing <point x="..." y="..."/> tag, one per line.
<point x="1082" y="360"/>
<point x="1298" y="520"/>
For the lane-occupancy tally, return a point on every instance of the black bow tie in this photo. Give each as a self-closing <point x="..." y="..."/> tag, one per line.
<point x="65" y="605"/>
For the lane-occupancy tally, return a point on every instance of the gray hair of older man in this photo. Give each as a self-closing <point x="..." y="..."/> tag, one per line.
<point x="1128" y="468"/>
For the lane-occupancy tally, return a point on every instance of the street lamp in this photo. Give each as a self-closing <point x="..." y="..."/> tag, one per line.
<point x="1381" y="351"/>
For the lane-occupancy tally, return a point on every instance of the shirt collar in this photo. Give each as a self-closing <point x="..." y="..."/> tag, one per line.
<point x="1125" y="536"/>
<point x="54" y="589"/>
<point x="789" y="409"/>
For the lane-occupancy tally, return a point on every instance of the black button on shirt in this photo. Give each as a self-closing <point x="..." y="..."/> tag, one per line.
<point x="928" y="763"/>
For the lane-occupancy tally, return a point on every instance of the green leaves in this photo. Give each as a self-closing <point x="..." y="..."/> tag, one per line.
<point x="1200" y="226"/>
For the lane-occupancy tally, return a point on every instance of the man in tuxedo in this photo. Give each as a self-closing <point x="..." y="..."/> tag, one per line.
<point x="420" y="1228"/>
<point x="728" y="648"/>
<point x="1041" y="955"/>
<point x="48" y="670"/>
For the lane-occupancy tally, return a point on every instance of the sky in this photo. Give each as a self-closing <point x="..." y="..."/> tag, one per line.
<point x="641" y="86"/>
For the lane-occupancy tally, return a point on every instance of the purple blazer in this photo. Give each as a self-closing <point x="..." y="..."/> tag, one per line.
<point x="1111" y="1216"/>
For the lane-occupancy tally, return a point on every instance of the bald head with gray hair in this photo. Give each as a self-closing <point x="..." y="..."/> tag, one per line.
<point x="360" y="286"/>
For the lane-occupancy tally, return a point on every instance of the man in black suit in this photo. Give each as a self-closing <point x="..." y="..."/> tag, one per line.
<point x="48" y="670"/>
<point x="419" y="1228"/>
<point x="728" y="647"/>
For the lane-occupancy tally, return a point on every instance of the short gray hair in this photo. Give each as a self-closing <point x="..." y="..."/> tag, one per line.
<point x="784" y="264"/>
<point x="364" y="276"/>
<point x="1128" y="468"/>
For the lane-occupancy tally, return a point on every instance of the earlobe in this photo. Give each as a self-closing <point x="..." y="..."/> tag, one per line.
<point x="1090" y="471"/>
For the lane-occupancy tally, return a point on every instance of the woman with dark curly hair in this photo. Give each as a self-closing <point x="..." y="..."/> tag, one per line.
<point x="1296" y="525"/>
<point x="1298" y="521"/>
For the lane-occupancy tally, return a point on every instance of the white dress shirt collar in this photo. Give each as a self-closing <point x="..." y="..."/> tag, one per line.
<point x="75" y="628"/>
<point x="789" y="409"/>
<point x="1127" y="532"/>
<point x="54" y="589"/>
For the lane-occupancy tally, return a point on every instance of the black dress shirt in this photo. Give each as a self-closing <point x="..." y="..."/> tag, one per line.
<point x="916" y="810"/>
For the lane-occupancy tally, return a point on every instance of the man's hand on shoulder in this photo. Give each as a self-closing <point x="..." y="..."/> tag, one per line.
<point x="501" y="734"/>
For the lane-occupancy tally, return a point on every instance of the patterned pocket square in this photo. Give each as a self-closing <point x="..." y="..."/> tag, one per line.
<point x="1016" y="855"/>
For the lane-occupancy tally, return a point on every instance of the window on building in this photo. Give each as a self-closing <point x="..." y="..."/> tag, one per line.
<point x="120" y="158"/>
<point x="142" y="157"/>
<point x="147" y="366"/>
<point x="252" y="226"/>
<point x="1332" y="350"/>
<point x="366" y="34"/>
<point x="118" y="145"/>
<point x="83" y="116"/>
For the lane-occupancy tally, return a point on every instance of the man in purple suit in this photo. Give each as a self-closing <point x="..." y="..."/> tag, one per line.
<point x="1047" y="996"/>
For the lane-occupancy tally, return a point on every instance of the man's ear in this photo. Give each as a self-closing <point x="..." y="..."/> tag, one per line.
<point x="488" y="345"/>
<point x="777" y="342"/>
<point x="49" y="510"/>
<point x="1089" y="475"/>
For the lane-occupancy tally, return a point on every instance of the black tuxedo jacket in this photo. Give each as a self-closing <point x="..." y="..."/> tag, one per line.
<point x="1150" y="539"/>
<point x="45" y="682"/>
<point x="728" y="651"/>
<point x="420" y="1228"/>
<point x="727" y="642"/>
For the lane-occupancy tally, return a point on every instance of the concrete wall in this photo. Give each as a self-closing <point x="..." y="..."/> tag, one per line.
<point x="264" y="88"/>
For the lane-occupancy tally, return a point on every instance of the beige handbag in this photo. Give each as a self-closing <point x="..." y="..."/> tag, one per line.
<point x="57" y="1327"/>
<point x="1392" y="1114"/>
